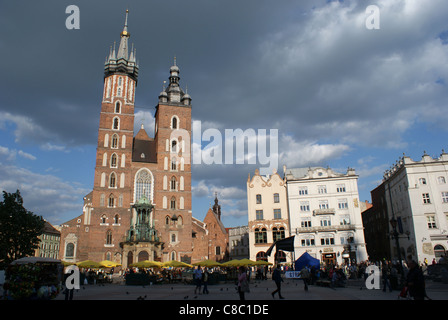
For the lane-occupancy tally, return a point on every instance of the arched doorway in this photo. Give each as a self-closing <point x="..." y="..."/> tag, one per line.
<point x="130" y="258"/>
<point x="439" y="250"/>
<point x="143" y="255"/>
<point x="261" y="256"/>
<point x="280" y="257"/>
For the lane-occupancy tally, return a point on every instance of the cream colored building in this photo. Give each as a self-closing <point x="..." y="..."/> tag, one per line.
<point x="267" y="214"/>
<point x="325" y="214"/>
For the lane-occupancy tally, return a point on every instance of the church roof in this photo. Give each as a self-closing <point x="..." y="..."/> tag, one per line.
<point x="142" y="135"/>
<point x="144" y="148"/>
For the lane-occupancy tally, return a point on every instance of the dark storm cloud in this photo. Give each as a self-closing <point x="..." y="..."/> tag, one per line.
<point x="307" y="68"/>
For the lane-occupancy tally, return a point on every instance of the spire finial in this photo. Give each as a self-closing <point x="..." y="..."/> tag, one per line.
<point x="125" y="32"/>
<point x="174" y="59"/>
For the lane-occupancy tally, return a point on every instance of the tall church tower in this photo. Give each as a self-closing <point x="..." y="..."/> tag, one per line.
<point x="116" y="129"/>
<point x="173" y="139"/>
<point x="112" y="189"/>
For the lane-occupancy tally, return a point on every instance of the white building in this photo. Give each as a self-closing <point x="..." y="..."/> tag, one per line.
<point x="267" y="215"/>
<point x="239" y="242"/>
<point x="416" y="193"/>
<point x="325" y="214"/>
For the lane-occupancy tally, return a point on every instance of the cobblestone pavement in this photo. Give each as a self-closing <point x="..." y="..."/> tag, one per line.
<point x="260" y="291"/>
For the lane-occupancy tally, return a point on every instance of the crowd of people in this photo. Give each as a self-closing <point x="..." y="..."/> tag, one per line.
<point x="409" y="276"/>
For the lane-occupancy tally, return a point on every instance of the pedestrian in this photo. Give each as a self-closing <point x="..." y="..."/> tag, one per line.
<point x="415" y="281"/>
<point x="385" y="273"/>
<point x="304" y="274"/>
<point x="243" y="285"/>
<point x="277" y="277"/>
<point x="205" y="276"/>
<point x="197" y="279"/>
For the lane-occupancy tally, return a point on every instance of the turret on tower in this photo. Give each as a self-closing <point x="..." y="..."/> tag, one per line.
<point x="122" y="62"/>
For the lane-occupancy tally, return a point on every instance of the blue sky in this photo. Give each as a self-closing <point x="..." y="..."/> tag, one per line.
<point x="339" y="95"/>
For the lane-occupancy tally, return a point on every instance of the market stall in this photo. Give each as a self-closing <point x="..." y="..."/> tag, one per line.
<point x="33" y="278"/>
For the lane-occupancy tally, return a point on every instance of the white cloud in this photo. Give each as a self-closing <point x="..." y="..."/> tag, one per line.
<point x="45" y="195"/>
<point x="146" y="119"/>
<point x="303" y="153"/>
<point x="26" y="128"/>
<point x="11" y="154"/>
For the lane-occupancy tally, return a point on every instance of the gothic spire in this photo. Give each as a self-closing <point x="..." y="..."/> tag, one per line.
<point x="123" y="49"/>
<point x="122" y="61"/>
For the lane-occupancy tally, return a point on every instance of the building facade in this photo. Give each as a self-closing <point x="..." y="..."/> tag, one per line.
<point x="239" y="242"/>
<point x="140" y="205"/>
<point x="49" y="242"/>
<point x="416" y="195"/>
<point x="377" y="227"/>
<point x="210" y="237"/>
<point x="267" y="215"/>
<point x="325" y="214"/>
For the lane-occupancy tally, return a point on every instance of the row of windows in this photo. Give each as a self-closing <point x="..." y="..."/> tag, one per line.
<point x="322" y="189"/>
<point x="114" y="141"/>
<point x="120" y="89"/>
<point x="427" y="199"/>
<point x="440" y="180"/>
<point x="116" y="219"/>
<point x="325" y="221"/>
<point x="111" y="201"/>
<point x="116" y="124"/>
<point x="173" y="203"/>
<point x="113" y="163"/>
<point x="431" y="221"/>
<point x="261" y="235"/>
<point x="323" y="204"/>
<point x="259" y="198"/>
<point x="260" y="216"/>
<point x="112" y="182"/>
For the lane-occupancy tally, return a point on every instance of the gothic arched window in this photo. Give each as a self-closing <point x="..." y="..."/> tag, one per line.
<point x="143" y="184"/>
<point x="114" y="144"/>
<point x="70" y="250"/>
<point x="112" y="180"/>
<point x="116" y="124"/>
<point x="109" y="237"/>
<point x="113" y="161"/>
<point x="174" y="123"/>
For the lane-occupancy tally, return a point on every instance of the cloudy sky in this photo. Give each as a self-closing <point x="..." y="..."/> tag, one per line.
<point x="339" y="94"/>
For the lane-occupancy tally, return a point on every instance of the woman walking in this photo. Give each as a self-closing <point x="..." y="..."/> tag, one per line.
<point x="243" y="285"/>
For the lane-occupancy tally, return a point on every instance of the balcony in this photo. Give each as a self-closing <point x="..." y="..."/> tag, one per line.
<point x="317" y="212"/>
<point x="343" y="227"/>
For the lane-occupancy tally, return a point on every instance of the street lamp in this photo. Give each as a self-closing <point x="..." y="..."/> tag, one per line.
<point x="394" y="234"/>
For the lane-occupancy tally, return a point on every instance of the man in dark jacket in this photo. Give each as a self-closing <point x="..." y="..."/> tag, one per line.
<point x="415" y="281"/>
<point x="277" y="277"/>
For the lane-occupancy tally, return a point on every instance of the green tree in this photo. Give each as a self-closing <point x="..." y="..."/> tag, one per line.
<point x="19" y="229"/>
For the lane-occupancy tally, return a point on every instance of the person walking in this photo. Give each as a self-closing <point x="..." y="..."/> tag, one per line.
<point x="415" y="281"/>
<point x="197" y="279"/>
<point x="305" y="275"/>
<point x="385" y="273"/>
<point x="277" y="277"/>
<point x="243" y="285"/>
<point x="205" y="276"/>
